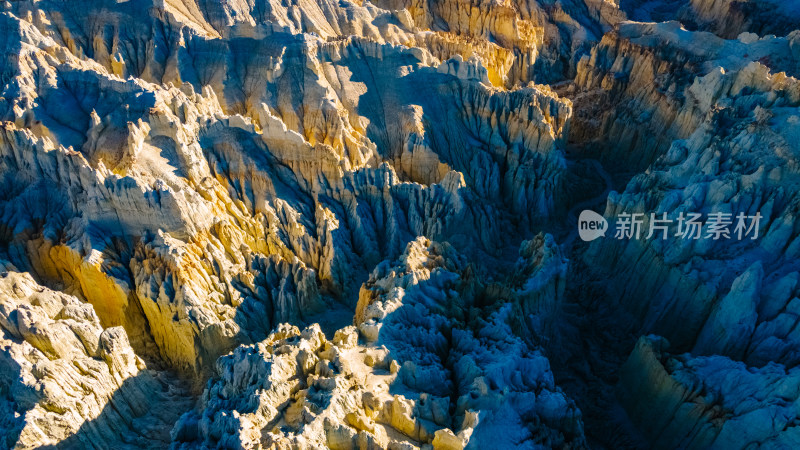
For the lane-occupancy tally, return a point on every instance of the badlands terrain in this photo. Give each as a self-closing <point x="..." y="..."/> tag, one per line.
<point x="347" y="224"/>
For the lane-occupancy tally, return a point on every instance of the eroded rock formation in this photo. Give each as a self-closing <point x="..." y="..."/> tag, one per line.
<point x="68" y="381"/>
<point x="429" y="361"/>
<point x="349" y="224"/>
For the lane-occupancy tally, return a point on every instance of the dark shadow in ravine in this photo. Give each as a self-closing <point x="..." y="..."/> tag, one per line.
<point x="462" y="341"/>
<point x="16" y="398"/>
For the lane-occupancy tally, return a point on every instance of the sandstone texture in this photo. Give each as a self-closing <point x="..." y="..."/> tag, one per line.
<point x="352" y="224"/>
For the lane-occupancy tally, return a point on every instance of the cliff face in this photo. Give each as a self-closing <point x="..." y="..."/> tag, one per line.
<point x="725" y="18"/>
<point x="708" y="401"/>
<point x="747" y="169"/>
<point x="730" y="18"/>
<point x="545" y="40"/>
<point x="64" y="368"/>
<point x="642" y="86"/>
<point x="352" y="224"/>
<point x="725" y="142"/>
